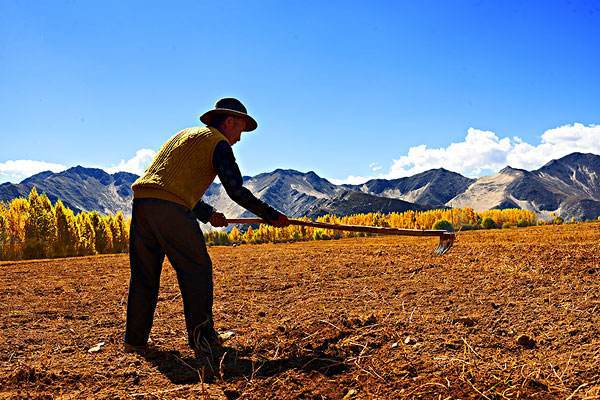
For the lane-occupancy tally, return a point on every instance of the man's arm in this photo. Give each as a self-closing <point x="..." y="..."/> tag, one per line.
<point x="231" y="179"/>
<point x="203" y="211"/>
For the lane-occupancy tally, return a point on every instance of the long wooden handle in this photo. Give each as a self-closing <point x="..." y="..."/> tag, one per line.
<point x="353" y="228"/>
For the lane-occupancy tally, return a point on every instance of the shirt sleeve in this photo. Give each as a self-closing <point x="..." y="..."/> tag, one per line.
<point x="231" y="179"/>
<point x="203" y="211"/>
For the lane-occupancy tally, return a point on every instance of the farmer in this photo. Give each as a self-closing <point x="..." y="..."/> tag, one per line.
<point x="166" y="206"/>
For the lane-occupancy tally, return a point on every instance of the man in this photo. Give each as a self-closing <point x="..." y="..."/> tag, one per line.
<point x="166" y="206"/>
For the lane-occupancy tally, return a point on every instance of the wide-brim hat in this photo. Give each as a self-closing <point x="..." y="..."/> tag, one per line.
<point x="233" y="107"/>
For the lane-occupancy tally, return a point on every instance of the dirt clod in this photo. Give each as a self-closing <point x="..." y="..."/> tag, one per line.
<point x="454" y="345"/>
<point x="466" y="321"/>
<point x="231" y="394"/>
<point x="526" y="341"/>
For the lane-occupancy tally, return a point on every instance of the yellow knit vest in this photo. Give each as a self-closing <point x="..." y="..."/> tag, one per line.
<point x="182" y="170"/>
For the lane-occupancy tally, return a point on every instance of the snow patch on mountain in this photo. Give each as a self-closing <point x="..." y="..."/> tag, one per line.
<point x="308" y="190"/>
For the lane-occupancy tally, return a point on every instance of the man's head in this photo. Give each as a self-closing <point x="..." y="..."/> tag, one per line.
<point x="231" y="127"/>
<point x="231" y="118"/>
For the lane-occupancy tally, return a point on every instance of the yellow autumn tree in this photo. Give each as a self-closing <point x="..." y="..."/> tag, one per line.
<point x="235" y="236"/>
<point x="67" y="236"/>
<point x="102" y="233"/>
<point x="121" y="224"/>
<point x="3" y="232"/>
<point x="216" y="237"/>
<point x="86" y="235"/>
<point x="40" y="228"/>
<point x="248" y="235"/>
<point x="16" y="215"/>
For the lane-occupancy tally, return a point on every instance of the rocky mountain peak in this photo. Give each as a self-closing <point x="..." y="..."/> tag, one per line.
<point x="38" y="176"/>
<point x="433" y="187"/>
<point x="508" y="170"/>
<point x="574" y="160"/>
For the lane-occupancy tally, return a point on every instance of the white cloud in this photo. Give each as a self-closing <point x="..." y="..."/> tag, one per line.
<point x="137" y="164"/>
<point x="556" y="143"/>
<point x="484" y="152"/>
<point x="15" y="171"/>
<point x="351" y="180"/>
<point x="480" y="153"/>
<point x="356" y="180"/>
<point x="375" y="167"/>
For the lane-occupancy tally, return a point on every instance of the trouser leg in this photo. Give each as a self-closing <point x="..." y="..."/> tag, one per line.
<point x="146" y="259"/>
<point x="196" y="285"/>
<point x="179" y="235"/>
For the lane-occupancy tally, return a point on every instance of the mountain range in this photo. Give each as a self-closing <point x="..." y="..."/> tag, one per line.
<point x="79" y="188"/>
<point x="569" y="187"/>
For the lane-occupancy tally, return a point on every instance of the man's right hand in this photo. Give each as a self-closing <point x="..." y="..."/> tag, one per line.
<point x="218" y="219"/>
<point x="281" y="221"/>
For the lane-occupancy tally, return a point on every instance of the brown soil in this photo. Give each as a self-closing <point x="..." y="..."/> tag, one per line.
<point x="506" y="314"/>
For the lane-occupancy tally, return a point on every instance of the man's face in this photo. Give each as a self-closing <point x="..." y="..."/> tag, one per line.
<point x="233" y="128"/>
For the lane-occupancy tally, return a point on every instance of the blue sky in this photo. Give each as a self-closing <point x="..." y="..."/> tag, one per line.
<point x="350" y="90"/>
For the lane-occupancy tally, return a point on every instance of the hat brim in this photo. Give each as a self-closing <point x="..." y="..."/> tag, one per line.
<point x="207" y="117"/>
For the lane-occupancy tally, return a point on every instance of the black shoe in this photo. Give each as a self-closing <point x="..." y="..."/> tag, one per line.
<point x="143" y="350"/>
<point x="209" y="346"/>
<point x="130" y="348"/>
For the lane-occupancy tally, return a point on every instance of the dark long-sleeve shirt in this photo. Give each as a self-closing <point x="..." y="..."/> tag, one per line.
<point x="231" y="179"/>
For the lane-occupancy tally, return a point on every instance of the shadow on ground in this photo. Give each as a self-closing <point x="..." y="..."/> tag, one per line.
<point x="236" y="364"/>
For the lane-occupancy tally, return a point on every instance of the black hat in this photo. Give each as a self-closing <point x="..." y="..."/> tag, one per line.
<point x="233" y="107"/>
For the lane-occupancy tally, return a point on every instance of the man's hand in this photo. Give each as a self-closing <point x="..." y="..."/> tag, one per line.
<point x="218" y="219"/>
<point x="280" y="222"/>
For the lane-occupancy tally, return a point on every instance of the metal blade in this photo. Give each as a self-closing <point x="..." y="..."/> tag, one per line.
<point x="446" y="242"/>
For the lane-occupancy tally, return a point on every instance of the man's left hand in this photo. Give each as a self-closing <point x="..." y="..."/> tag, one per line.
<point x="281" y="222"/>
<point x="218" y="219"/>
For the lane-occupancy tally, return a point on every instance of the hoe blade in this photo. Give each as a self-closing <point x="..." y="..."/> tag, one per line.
<point x="446" y="242"/>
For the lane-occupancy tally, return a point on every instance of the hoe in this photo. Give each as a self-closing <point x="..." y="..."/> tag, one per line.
<point x="446" y="238"/>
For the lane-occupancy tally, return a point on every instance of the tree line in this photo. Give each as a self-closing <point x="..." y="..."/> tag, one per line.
<point x="34" y="228"/>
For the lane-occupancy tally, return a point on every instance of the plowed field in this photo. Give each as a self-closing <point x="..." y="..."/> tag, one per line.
<point x="505" y="314"/>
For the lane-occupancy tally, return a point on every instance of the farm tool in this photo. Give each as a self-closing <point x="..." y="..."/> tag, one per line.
<point x="446" y="238"/>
